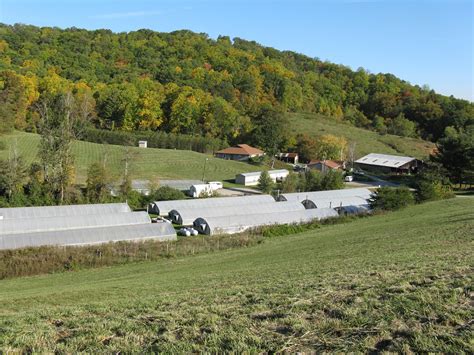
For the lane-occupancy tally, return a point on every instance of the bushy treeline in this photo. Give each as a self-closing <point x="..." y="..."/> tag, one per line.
<point x="158" y="139"/>
<point x="184" y="82"/>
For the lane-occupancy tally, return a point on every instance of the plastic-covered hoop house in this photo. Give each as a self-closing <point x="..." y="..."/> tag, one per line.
<point x="240" y="223"/>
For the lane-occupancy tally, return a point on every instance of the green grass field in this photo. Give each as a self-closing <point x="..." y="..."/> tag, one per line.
<point x="151" y="164"/>
<point x="366" y="141"/>
<point x="396" y="282"/>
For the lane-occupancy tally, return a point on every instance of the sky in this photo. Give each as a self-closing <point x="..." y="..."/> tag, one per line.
<point x="425" y="42"/>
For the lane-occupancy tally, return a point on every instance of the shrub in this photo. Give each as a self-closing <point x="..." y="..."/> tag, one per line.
<point x="392" y="199"/>
<point x="166" y="193"/>
<point x="265" y="182"/>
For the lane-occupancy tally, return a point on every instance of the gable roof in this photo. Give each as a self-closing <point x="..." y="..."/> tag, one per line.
<point x="241" y="149"/>
<point x="386" y="160"/>
<point x="329" y="163"/>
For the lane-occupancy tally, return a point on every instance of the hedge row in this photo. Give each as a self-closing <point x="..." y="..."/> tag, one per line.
<point x="155" y="140"/>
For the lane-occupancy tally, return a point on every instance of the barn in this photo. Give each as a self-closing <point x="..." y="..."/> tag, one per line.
<point x="77" y="225"/>
<point x="385" y="163"/>
<point x="251" y="179"/>
<point x="239" y="223"/>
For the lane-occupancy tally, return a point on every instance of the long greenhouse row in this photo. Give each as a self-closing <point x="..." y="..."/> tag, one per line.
<point x="77" y="225"/>
<point x="228" y="215"/>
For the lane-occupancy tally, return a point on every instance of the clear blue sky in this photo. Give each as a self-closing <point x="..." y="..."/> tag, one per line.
<point x="424" y="42"/>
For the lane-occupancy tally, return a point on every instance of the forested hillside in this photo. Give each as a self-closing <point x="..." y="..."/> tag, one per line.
<point x="184" y="82"/>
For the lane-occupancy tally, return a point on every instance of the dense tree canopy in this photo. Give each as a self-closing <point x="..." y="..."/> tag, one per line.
<point x="184" y="82"/>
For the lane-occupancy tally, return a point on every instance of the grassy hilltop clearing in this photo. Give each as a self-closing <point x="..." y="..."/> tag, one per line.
<point x="395" y="282"/>
<point x="366" y="141"/>
<point x="150" y="163"/>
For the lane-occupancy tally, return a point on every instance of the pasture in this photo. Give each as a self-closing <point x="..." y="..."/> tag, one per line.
<point x="152" y="164"/>
<point x="393" y="282"/>
<point x="366" y="141"/>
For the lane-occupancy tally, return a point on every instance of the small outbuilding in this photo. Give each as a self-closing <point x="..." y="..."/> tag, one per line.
<point x="291" y="158"/>
<point x="326" y="165"/>
<point x="143" y="144"/>
<point x="251" y="179"/>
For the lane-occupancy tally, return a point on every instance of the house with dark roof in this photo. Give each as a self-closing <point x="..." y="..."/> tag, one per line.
<point x="240" y="152"/>
<point x="326" y="165"/>
<point x="291" y="158"/>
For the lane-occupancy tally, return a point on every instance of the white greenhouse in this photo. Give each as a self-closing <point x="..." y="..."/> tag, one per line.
<point x="186" y="216"/>
<point x="66" y="210"/>
<point x="240" y="223"/>
<point x="88" y="236"/>
<point x="330" y="198"/>
<point x="162" y="208"/>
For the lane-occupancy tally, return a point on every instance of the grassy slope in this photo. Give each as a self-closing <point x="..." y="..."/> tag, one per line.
<point x="367" y="141"/>
<point x="149" y="163"/>
<point x="401" y="281"/>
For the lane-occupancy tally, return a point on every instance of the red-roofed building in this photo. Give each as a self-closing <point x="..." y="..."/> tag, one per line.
<point x="325" y="165"/>
<point x="239" y="152"/>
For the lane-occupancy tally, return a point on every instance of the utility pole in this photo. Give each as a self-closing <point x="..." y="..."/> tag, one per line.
<point x="204" y="169"/>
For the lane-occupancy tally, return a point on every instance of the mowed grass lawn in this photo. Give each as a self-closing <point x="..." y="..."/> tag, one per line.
<point x="396" y="282"/>
<point x="151" y="164"/>
<point x="366" y="141"/>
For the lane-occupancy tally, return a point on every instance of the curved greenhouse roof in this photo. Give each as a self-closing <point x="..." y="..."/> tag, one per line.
<point x="330" y="198"/>
<point x="186" y="216"/>
<point x="67" y="210"/>
<point x="86" y="236"/>
<point x="240" y="223"/>
<point x="40" y="224"/>
<point x="162" y="208"/>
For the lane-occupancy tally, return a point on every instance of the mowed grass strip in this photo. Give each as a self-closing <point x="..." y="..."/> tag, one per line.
<point x="366" y="141"/>
<point x="152" y="164"/>
<point x="395" y="282"/>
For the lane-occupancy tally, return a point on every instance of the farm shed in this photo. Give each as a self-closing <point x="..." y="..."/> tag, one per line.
<point x="162" y="208"/>
<point x="186" y="216"/>
<point x="58" y="211"/>
<point x="326" y="165"/>
<point x="87" y="236"/>
<point x="291" y="158"/>
<point x="43" y="224"/>
<point x="330" y="198"/>
<point x="240" y="223"/>
<point x="386" y="163"/>
<point x="251" y="179"/>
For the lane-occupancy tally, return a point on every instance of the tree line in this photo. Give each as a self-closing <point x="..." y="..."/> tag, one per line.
<point x="184" y="82"/>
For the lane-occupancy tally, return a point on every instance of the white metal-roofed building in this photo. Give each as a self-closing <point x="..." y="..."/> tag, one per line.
<point x="240" y="223"/>
<point x="43" y="224"/>
<point x="330" y="198"/>
<point x="67" y="210"/>
<point x="162" y="208"/>
<point x="388" y="163"/>
<point x="251" y="179"/>
<point x="186" y="216"/>
<point x="87" y="236"/>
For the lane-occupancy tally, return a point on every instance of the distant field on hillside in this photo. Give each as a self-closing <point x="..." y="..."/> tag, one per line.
<point x="150" y="163"/>
<point x="400" y="282"/>
<point x="367" y="141"/>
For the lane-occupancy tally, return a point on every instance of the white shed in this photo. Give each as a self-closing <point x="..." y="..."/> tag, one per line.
<point x="251" y="179"/>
